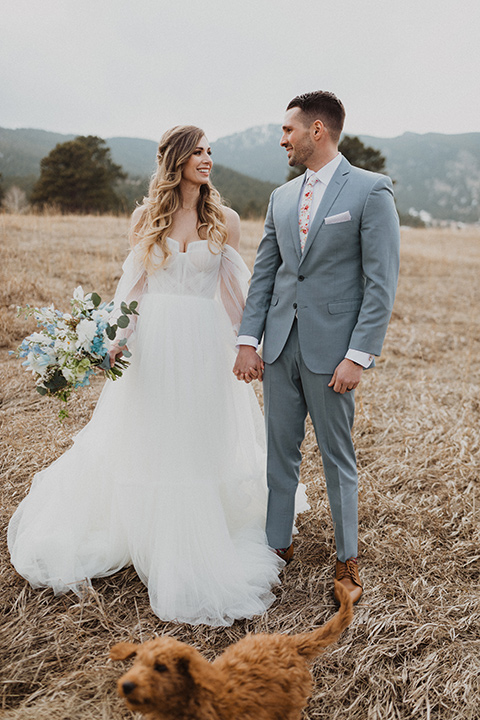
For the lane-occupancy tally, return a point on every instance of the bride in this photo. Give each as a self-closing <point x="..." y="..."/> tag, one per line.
<point x="169" y="474"/>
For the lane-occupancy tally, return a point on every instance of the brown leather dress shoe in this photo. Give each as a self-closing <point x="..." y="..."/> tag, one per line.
<point x="285" y="553"/>
<point x="347" y="574"/>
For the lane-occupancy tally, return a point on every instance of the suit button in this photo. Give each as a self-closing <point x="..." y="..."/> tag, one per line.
<point x="301" y="278"/>
<point x="295" y="306"/>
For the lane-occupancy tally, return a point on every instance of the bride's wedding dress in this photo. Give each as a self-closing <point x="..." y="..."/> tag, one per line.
<point x="169" y="474"/>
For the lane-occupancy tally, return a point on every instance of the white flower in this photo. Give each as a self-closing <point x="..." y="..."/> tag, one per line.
<point x="39" y="338"/>
<point x="78" y="294"/>
<point x="51" y="354"/>
<point x="99" y="315"/>
<point x="61" y="327"/>
<point x="64" y="343"/>
<point x="68" y="374"/>
<point x="37" y="363"/>
<point x="86" y="330"/>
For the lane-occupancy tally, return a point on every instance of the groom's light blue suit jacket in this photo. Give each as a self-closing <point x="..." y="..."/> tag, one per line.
<point x="343" y="286"/>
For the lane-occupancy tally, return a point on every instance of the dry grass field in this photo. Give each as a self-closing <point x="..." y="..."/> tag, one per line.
<point x="413" y="649"/>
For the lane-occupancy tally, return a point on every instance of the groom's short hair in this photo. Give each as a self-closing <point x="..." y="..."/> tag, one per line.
<point x="324" y="106"/>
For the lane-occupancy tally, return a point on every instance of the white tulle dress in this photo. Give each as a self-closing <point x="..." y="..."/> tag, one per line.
<point x="169" y="474"/>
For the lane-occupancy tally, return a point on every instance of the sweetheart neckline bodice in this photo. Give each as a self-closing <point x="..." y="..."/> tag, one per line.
<point x="192" y="242"/>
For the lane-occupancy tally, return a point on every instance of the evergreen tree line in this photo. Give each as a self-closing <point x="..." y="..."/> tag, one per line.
<point x="79" y="176"/>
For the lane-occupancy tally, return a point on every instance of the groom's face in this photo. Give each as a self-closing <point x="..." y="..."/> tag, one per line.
<point x="297" y="137"/>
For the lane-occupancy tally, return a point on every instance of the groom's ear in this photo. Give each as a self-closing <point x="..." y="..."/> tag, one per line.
<point x="318" y="128"/>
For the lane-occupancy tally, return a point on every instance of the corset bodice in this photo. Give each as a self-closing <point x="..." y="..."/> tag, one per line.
<point x="193" y="272"/>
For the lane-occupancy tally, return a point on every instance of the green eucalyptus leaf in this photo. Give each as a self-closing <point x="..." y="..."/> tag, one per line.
<point x="56" y="382"/>
<point x="123" y="321"/>
<point x="111" y="331"/>
<point x="127" y="353"/>
<point x="42" y="390"/>
<point x="96" y="299"/>
<point x="122" y="342"/>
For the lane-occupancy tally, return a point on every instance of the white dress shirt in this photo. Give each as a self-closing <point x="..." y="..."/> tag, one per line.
<point x="324" y="176"/>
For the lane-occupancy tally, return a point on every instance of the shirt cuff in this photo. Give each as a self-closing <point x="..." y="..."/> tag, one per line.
<point x="247" y="340"/>
<point x="361" y="358"/>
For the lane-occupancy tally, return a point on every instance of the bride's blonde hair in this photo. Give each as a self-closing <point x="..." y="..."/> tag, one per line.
<point x="164" y="198"/>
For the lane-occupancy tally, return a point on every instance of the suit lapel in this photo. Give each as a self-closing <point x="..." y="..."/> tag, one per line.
<point x="295" y="188"/>
<point x="333" y="188"/>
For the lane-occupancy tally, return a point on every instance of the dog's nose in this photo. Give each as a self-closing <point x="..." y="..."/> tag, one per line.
<point x="127" y="687"/>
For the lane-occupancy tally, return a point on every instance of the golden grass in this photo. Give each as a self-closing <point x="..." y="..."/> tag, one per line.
<point x="413" y="649"/>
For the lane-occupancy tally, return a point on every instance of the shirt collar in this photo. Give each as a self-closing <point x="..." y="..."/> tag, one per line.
<point x="326" y="172"/>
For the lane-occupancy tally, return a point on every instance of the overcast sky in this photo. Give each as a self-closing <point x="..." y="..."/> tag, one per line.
<point x="136" y="67"/>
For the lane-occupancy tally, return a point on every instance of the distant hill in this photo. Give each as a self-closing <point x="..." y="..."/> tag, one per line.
<point x="254" y="152"/>
<point x="247" y="195"/>
<point x="136" y="156"/>
<point x="439" y="174"/>
<point x="436" y="173"/>
<point x="22" y="150"/>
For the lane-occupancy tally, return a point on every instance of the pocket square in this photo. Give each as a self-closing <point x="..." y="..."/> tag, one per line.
<point x="341" y="217"/>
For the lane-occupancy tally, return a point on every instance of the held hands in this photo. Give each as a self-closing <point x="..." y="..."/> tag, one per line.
<point x="248" y="365"/>
<point x="346" y="377"/>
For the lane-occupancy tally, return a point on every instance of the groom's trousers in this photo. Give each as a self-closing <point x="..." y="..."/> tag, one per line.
<point x="290" y="391"/>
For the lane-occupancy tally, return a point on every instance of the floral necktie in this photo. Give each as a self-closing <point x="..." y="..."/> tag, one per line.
<point x="304" y="216"/>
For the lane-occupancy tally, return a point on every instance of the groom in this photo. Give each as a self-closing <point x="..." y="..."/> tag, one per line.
<point x="321" y="296"/>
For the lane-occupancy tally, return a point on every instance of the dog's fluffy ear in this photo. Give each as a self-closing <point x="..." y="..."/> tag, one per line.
<point x="122" y="651"/>
<point x="183" y="666"/>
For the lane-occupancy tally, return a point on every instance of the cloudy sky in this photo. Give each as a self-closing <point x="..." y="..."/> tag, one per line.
<point x="134" y="68"/>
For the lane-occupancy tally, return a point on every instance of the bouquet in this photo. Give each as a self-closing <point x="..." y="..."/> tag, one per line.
<point x="69" y="347"/>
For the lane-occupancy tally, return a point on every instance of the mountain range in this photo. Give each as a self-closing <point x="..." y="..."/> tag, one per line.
<point x="22" y="150"/>
<point x="435" y="173"/>
<point x="439" y="174"/>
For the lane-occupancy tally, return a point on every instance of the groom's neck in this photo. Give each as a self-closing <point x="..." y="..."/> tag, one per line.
<point x="322" y="157"/>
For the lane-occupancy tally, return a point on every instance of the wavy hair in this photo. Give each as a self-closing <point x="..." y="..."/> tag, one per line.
<point x="164" y="199"/>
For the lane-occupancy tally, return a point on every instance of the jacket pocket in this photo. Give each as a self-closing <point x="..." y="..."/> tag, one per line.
<point x="344" y="306"/>
<point x="340" y="218"/>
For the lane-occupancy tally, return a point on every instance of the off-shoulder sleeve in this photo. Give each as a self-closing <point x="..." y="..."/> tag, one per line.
<point x="131" y="286"/>
<point x="233" y="284"/>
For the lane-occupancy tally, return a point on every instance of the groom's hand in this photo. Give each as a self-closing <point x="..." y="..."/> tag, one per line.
<point x="346" y="377"/>
<point x="248" y="365"/>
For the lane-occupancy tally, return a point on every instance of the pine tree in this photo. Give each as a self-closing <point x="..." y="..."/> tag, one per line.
<point x="79" y="177"/>
<point x="361" y="155"/>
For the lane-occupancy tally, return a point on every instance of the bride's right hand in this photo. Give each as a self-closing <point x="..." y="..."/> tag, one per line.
<point x="248" y="365"/>
<point x="116" y="352"/>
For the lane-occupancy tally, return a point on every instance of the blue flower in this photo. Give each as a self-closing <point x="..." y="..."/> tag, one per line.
<point x="85" y="381"/>
<point x="98" y="345"/>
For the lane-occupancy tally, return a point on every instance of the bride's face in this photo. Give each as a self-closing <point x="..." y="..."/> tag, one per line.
<point x="198" y="166"/>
